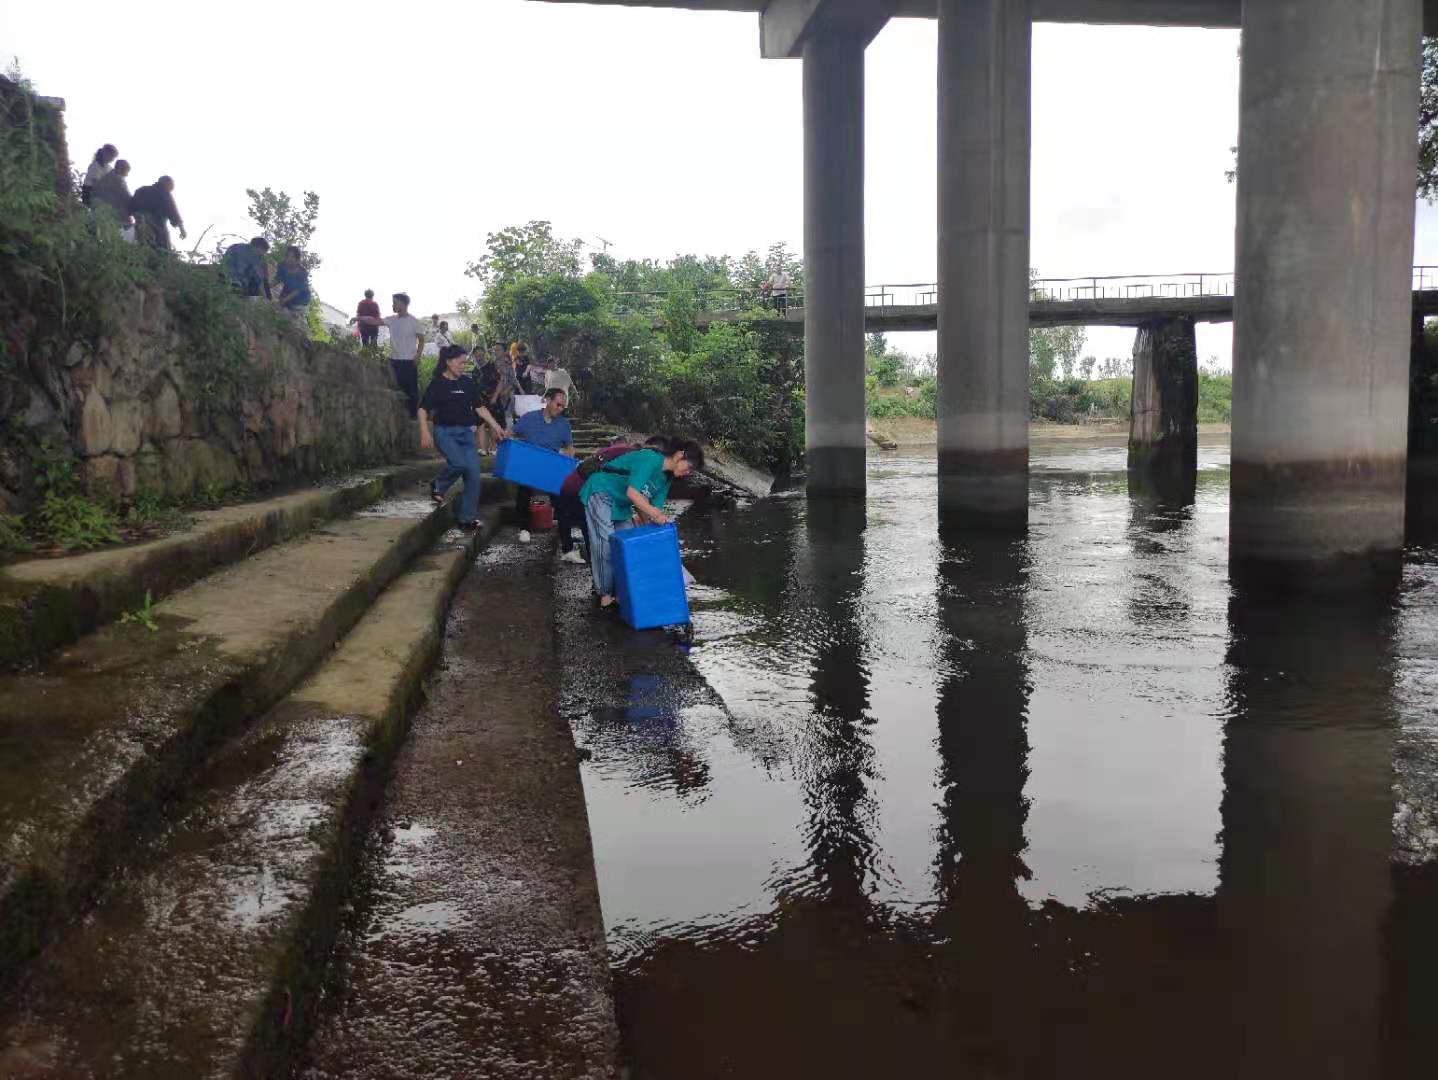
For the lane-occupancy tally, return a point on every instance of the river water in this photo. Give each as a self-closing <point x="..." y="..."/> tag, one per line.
<point x="1067" y="805"/>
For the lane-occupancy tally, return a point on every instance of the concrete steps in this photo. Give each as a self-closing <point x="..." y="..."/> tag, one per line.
<point x="113" y="728"/>
<point x="48" y="603"/>
<point x="188" y="824"/>
<point x="204" y="960"/>
<point x="477" y="946"/>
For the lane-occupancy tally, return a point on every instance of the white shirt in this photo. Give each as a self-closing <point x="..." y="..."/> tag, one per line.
<point x="94" y="173"/>
<point x="779" y="281"/>
<point x="404" y="332"/>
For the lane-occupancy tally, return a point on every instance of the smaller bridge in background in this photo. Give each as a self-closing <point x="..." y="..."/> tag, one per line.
<point x="1112" y="300"/>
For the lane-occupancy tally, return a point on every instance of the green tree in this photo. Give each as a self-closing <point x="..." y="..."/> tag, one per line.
<point x="284" y="224"/>
<point x="1428" y="123"/>
<point x="528" y="249"/>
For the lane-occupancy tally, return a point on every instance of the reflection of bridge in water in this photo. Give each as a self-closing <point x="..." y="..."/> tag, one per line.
<point x="1107" y="300"/>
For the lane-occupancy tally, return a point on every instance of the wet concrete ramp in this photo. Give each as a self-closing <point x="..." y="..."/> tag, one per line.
<point x="477" y="944"/>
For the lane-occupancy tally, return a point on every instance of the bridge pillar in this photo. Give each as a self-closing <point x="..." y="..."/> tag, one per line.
<point x="983" y="259"/>
<point x="834" y="260"/>
<point x="1328" y="104"/>
<point x="1163" y="422"/>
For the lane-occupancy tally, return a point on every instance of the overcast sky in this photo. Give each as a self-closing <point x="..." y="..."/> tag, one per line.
<point x="425" y="125"/>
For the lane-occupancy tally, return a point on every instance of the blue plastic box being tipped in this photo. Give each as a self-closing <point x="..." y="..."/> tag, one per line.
<point x="648" y="576"/>
<point x="533" y="466"/>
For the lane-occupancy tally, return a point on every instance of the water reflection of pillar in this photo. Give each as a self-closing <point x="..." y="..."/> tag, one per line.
<point x="1307" y="835"/>
<point x="1160" y="587"/>
<point x="983" y="753"/>
<point x="841" y="758"/>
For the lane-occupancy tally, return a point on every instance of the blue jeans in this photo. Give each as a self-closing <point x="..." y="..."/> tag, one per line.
<point x="599" y="513"/>
<point x="457" y="446"/>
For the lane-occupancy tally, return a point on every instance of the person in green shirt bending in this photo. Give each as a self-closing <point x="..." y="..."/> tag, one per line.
<point x="629" y="491"/>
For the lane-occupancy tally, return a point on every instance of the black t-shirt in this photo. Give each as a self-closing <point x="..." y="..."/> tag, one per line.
<point x="451" y="402"/>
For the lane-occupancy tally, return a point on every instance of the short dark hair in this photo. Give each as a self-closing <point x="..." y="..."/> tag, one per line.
<point x="260" y="242"/>
<point x="403" y="298"/>
<point x="553" y="392"/>
<point x="474" y="328"/>
<point x="691" y="450"/>
<point x="663" y="443"/>
<point x="122" y="166"/>
<point x="369" y="294"/>
<point x="449" y="352"/>
<point x="166" y="180"/>
<point x="296" y="252"/>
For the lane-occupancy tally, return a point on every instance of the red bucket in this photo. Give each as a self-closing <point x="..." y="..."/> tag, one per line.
<point x="541" y="515"/>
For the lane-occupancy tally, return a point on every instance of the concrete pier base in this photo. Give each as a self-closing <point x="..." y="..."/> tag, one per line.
<point x="984" y="136"/>
<point x="834" y="261"/>
<point x="1163" y="423"/>
<point x="1328" y="104"/>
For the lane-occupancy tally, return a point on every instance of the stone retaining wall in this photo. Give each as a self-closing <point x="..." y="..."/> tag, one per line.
<point x="131" y="405"/>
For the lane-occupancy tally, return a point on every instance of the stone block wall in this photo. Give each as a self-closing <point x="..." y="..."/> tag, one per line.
<point x="131" y="406"/>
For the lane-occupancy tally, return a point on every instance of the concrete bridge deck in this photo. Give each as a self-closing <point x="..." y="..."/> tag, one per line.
<point x="1128" y="300"/>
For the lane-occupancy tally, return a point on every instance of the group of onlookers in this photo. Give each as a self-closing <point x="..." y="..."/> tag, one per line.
<point x="144" y="216"/>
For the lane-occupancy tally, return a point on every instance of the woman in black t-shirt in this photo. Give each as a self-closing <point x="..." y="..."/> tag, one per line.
<point x="453" y="405"/>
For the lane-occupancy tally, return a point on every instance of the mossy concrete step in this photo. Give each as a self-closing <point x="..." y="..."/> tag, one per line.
<point x="114" y="725"/>
<point x="477" y="944"/>
<point x="203" y="960"/>
<point x="47" y="603"/>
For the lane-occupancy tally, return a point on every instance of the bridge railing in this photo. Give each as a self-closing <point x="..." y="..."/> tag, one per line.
<point x="880" y="298"/>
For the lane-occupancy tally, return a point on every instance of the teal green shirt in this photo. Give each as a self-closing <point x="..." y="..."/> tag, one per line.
<point x="644" y="472"/>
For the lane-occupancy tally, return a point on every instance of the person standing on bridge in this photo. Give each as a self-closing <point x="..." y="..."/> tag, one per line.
<point x="778" y="286"/>
<point x="631" y="489"/>
<point x="452" y="404"/>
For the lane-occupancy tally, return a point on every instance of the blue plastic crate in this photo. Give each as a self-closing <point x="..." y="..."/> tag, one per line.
<point x="648" y="577"/>
<point x="533" y="466"/>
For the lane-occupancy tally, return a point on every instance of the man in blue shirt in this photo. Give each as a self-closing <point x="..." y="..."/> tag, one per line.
<point x="544" y="427"/>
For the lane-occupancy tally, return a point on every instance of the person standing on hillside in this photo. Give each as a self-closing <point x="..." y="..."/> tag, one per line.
<point x="368" y="310"/>
<point x="452" y="405"/>
<point x="113" y="190"/>
<point x="154" y="208"/>
<point x="99" y="169"/>
<point x="406" y="342"/>
<point x="544" y="427"/>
